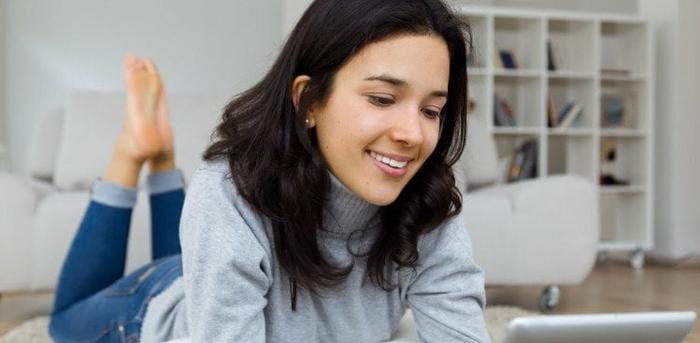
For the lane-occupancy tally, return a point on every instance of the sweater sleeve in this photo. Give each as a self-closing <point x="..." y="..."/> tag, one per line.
<point x="225" y="282"/>
<point x="446" y="293"/>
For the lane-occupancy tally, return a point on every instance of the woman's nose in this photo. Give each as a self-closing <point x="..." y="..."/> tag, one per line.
<point x="407" y="129"/>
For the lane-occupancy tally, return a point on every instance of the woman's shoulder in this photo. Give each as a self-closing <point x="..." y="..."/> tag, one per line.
<point x="451" y="232"/>
<point x="218" y="166"/>
<point x="213" y="173"/>
<point x="212" y="182"/>
<point x="213" y="192"/>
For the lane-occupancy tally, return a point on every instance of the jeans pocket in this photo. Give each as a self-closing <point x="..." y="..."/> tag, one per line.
<point x="131" y="283"/>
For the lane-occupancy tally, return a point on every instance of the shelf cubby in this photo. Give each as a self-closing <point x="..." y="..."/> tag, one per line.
<point x="572" y="46"/>
<point x="480" y="35"/>
<point x="523" y="37"/>
<point x="621" y="216"/>
<point x="524" y="94"/>
<point x="624" y="48"/>
<point x="629" y="162"/>
<point x="571" y="155"/>
<point x="565" y="90"/>
<point x="508" y="144"/>
<point x="630" y="99"/>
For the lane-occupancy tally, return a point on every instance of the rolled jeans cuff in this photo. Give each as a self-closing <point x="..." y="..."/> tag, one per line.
<point x="163" y="182"/>
<point x="113" y="194"/>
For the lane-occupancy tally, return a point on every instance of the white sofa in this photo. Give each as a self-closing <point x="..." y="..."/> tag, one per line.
<point x="537" y="232"/>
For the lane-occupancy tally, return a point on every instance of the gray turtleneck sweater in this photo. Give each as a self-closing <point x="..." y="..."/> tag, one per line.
<point x="233" y="288"/>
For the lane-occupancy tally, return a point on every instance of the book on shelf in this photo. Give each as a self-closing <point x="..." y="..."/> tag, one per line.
<point x="569" y="114"/>
<point x="497" y="64"/>
<point x="505" y="59"/>
<point x="555" y="59"/>
<point x="503" y="112"/>
<point x="552" y="119"/>
<point x="524" y="162"/>
<point x="615" y="72"/>
<point x="551" y="63"/>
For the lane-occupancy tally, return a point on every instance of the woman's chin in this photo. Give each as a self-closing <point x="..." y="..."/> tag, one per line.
<point x="381" y="198"/>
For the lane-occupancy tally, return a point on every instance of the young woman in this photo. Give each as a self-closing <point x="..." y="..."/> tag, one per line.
<point x="325" y="207"/>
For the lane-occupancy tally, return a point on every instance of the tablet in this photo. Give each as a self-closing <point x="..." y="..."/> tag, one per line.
<point x="645" y="327"/>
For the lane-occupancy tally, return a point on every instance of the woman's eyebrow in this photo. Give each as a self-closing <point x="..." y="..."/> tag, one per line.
<point x="402" y="84"/>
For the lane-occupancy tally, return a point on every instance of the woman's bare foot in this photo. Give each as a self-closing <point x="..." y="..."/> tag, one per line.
<point x="140" y="135"/>
<point x="165" y="159"/>
<point x="146" y="134"/>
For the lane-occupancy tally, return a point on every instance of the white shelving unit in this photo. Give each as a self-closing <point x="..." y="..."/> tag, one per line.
<point x="598" y="56"/>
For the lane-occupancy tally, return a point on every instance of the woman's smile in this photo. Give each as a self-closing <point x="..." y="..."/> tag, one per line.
<point x="391" y="165"/>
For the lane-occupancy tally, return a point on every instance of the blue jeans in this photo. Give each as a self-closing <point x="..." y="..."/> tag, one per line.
<point x="94" y="301"/>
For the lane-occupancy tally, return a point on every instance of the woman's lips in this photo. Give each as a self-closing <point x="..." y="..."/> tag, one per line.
<point x="387" y="169"/>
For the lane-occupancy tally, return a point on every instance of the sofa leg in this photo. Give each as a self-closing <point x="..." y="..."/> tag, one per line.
<point x="550" y="297"/>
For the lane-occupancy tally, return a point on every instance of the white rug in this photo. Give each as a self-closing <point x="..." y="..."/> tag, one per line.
<point x="35" y="330"/>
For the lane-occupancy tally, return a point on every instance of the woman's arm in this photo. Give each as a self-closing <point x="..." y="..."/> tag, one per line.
<point x="446" y="294"/>
<point x="225" y="284"/>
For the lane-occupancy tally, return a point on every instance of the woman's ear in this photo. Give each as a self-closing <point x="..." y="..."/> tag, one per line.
<point x="298" y="85"/>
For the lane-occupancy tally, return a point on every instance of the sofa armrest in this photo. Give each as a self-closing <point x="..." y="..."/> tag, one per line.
<point x="18" y="201"/>
<point x="541" y="231"/>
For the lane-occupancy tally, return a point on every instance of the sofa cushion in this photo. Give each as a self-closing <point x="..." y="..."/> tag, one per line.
<point x="479" y="162"/>
<point x="94" y="119"/>
<point x="44" y="145"/>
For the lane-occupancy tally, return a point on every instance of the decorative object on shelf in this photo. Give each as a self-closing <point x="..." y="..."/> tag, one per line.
<point x="608" y="155"/>
<point x="612" y="180"/>
<point x="471" y="105"/>
<point x="524" y="162"/>
<point x="614" y="109"/>
<point x="503" y="112"/>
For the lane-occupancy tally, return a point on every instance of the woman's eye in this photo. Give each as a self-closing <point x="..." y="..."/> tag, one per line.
<point x="380" y="100"/>
<point x="432" y="114"/>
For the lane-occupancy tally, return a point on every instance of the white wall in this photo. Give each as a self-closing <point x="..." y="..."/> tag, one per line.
<point x="293" y="9"/>
<point x="3" y="130"/>
<point x="687" y="163"/>
<point x="217" y="46"/>
<point x="677" y="223"/>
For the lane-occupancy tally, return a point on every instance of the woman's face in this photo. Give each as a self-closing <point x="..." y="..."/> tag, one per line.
<point x="381" y="121"/>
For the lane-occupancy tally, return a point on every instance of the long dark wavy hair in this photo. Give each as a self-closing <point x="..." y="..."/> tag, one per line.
<point x="275" y="161"/>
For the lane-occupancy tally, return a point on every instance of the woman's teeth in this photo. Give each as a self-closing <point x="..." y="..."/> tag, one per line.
<point x="388" y="161"/>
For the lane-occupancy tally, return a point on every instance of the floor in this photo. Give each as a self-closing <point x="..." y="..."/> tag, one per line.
<point x="611" y="287"/>
<point x="615" y="287"/>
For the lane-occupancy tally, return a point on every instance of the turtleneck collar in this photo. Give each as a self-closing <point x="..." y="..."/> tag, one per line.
<point x="346" y="212"/>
